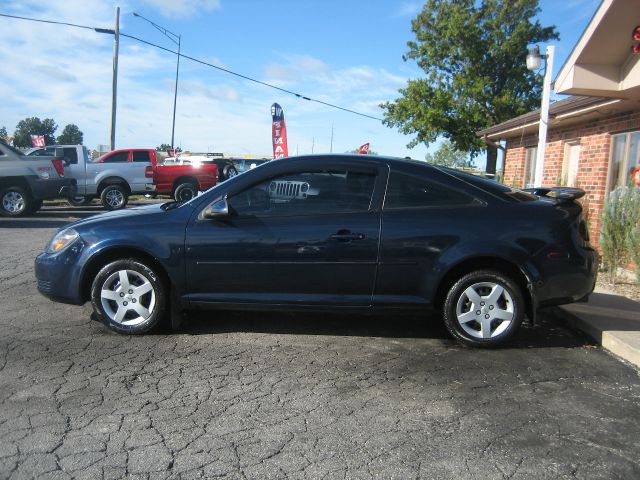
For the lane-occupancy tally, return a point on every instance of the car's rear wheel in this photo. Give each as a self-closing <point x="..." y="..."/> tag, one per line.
<point x="128" y="296"/>
<point x="114" y="197"/>
<point x="15" y="202"/>
<point x="229" y="172"/>
<point x="484" y="309"/>
<point x="185" y="191"/>
<point x="80" y="200"/>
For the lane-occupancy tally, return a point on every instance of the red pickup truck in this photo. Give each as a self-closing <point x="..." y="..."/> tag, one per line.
<point x="182" y="182"/>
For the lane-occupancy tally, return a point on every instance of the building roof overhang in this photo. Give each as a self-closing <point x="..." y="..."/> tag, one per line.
<point x="602" y="63"/>
<point x="563" y="113"/>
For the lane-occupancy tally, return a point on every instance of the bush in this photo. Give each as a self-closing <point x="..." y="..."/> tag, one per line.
<point x="633" y="239"/>
<point x="620" y="229"/>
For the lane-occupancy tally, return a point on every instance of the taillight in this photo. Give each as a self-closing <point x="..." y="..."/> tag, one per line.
<point x="148" y="172"/>
<point x="59" y="166"/>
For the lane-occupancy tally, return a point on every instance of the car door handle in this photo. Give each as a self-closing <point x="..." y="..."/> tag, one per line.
<point x="347" y="236"/>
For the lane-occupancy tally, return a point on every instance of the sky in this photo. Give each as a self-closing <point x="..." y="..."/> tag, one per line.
<point x="348" y="53"/>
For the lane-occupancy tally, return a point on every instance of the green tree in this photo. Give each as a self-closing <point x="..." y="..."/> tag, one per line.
<point x="448" y="156"/>
<point x="3" y="133"/>
<point x="71" y="135"/>
<point x="473" y="56"/>
<point x="34" y="126"/>
<point x="163" y="147"/>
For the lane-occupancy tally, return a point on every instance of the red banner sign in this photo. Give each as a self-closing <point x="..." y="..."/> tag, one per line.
<point x="364" y="149"/>
<point x="38" y="141"/>
<point x="278" y="132"/>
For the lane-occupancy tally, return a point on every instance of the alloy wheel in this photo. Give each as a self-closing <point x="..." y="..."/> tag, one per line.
<point x="128" y="297"/>
<point x="114" y="198"/>
<point x="13" y="202"/>
<point x="485" y="310"/>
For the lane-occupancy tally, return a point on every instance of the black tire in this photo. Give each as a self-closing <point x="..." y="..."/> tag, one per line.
<point x="121" y="309"/>
<point x="475" y="317"/>
<point x="15" y="202"/>
<point x="185" y="191"/>
<point x="229" y="171"/>
<point x="114" y="197"/>
<point x="80" y="200"/>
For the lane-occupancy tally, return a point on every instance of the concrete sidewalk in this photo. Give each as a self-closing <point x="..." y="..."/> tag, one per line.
<point x="610" y="319"/>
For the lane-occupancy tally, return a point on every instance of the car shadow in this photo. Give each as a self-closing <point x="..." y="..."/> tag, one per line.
<point x="548" y="332"/>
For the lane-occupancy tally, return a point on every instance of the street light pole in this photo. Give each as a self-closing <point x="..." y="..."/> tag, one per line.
<point x="171" y="36"/>
<point x="533" y="63"/>
<point x="114" y="86"/>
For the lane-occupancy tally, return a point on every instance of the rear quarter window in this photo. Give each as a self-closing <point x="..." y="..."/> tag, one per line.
<point x="407" y="191"/>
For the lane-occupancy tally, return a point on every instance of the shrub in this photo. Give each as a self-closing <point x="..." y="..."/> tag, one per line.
<point x="620" y="218"/>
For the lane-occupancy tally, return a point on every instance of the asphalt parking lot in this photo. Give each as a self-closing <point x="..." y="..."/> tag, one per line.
<point x="255" y="395"/>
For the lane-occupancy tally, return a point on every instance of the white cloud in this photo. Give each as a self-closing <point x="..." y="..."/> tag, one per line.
<point x="65" y="74"/>
<point x="183" y="8"/>
<point x="409" y="9"/>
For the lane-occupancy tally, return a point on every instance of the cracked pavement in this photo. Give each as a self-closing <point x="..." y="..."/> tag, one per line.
<point x="270" y="395"/>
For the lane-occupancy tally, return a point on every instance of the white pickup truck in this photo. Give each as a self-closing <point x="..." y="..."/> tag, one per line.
<point x="112" y="177"/>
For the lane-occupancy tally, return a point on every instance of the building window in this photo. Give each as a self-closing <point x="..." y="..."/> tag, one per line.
<point x="570" y="164"/>
<point x="530" y="166"/>
<point x="625" y="158"/>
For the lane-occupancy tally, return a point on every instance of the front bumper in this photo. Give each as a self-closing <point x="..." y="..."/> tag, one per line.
<point x="58" y="275"/>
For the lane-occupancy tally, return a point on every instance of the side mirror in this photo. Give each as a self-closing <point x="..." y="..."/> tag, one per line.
<point x="217" y="209"/>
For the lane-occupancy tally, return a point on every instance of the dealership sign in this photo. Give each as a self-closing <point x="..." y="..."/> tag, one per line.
<point x="38" y="141"/>
<point x="278" y="132"/>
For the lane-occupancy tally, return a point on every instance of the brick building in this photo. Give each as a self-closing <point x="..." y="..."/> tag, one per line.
<point x="593" y="139"/>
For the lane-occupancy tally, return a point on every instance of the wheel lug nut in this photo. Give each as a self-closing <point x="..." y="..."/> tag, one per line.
<point x="482" y="304"/>
<point x="478" y="312"/>
<point x="486" y="316"/>
<point x="124" y="303"/>
<point x="130" y="292"/>
<point x="122" y="294"/>
<point x="133" y="300"/>
<point x="490" y="307"/>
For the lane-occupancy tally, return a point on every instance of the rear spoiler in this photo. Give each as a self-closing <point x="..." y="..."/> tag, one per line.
<point x="566" y="194"/>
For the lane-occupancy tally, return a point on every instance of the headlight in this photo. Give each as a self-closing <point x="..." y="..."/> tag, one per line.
<point x="62" y="240"/>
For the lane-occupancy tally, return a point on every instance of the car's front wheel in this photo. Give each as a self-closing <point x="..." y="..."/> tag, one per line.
<point x="484" y="309"/>
<point x="128" y="296"/>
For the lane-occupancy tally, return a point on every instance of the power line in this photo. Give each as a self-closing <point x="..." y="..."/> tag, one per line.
<point x="196" y="60"/>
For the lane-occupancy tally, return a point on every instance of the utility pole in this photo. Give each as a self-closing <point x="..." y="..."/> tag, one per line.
<point x="331" y="149"/>
<point x="114" y="90"/>
<point x="313" y="143"/>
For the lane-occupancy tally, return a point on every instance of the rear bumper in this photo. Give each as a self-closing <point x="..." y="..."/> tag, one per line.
<point x="568" y="281"/>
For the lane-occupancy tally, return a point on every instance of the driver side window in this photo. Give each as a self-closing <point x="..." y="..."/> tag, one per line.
<point x="306" y="193"/>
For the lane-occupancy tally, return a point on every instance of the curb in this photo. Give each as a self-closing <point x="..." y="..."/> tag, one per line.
<point x="624" y="344"/>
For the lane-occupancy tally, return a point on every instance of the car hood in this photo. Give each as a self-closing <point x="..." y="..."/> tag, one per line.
<point x="127" y="214"/>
